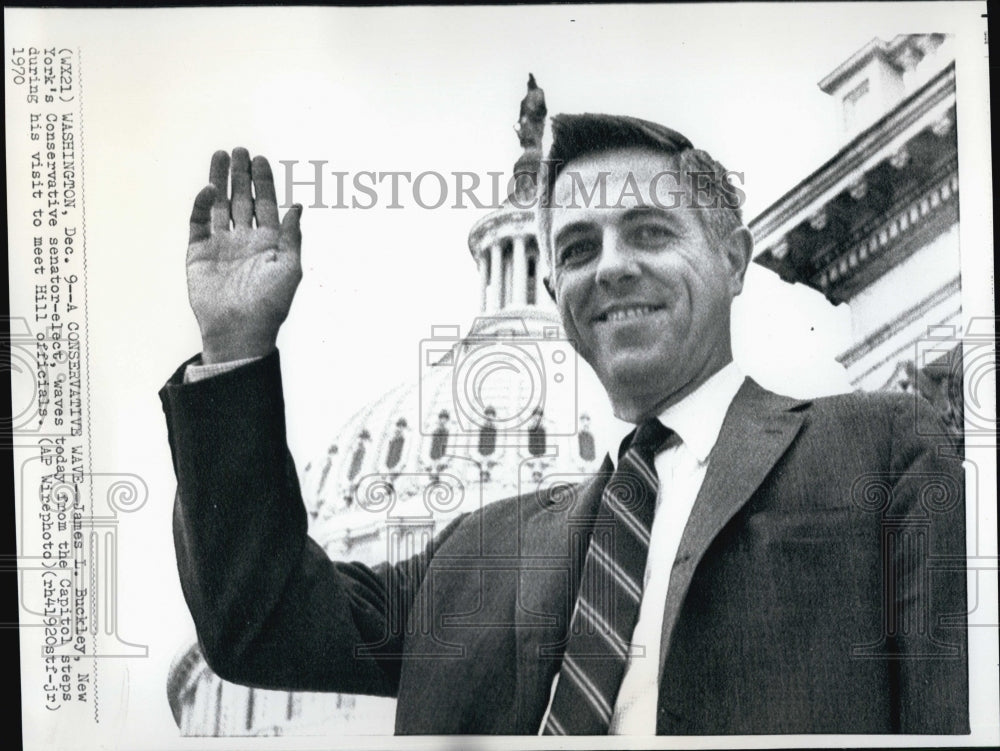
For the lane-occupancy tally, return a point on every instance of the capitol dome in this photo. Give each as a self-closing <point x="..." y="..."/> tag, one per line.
<point x="495" y="412"/>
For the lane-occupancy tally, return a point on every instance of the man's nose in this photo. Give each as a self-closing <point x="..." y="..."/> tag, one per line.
<point x="617" y="262"/>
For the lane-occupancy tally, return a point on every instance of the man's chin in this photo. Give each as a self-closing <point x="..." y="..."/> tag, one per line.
<point x="635" y="376"/>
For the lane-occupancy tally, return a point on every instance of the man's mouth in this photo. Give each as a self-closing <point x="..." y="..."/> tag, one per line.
<point x="624" y="313"/>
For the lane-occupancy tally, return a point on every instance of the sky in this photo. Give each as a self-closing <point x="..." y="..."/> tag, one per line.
<point x="401" y="89"/>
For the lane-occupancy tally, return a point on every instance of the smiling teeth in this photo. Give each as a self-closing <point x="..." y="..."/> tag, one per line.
<point x="621" y="315"/>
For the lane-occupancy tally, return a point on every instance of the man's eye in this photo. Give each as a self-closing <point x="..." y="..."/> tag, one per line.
<point x="650" y="234"/>
<point x="577" y="252"/>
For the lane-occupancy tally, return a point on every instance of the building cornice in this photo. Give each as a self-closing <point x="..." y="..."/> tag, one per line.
<point x="869" y="206"/>
<point x="926" y="214"/>
<point x="871" y="146"/>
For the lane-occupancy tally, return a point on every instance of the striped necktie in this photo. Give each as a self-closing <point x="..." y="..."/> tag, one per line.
<point x="607" y="604"/>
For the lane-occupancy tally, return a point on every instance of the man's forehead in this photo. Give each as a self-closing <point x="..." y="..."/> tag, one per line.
<point x="616" y="181"/>
<point x="615" y="164"/>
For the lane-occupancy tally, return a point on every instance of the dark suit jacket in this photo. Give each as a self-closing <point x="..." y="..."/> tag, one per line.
<point x="818" y="586"/>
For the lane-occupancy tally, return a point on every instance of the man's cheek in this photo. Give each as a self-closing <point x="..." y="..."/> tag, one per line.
<point x="569" y="326"/>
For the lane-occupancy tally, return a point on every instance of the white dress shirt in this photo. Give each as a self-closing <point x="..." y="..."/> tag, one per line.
<point x="197" y="371"/>
<point x="697" y="420"/>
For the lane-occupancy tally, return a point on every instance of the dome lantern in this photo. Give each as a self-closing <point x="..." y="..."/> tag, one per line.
<point x="504" y="243"/>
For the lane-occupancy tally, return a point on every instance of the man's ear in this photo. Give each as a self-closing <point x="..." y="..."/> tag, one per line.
<point x="738" y="249"/>
<point x="547" y="281"/>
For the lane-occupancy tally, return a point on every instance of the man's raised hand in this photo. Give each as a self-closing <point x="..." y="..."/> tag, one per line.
<point x="242" y="265"/>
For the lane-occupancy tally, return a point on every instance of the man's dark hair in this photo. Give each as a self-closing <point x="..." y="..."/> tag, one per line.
<point x="574" y="136"/>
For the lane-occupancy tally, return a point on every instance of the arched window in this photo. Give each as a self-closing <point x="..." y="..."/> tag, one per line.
<point x="537" y="444"/>
<point x="357" y="461"/>
<point x="439" y="438"/>
<point x="327" y="466"/>
<point x="532" y="276"/>
<point x="585" y="440"/>
<point x="394" y="452"/>
<point x="488" y="434"/>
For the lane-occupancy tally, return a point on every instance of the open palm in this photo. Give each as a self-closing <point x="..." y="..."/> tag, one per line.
<point x="243" y="266"/>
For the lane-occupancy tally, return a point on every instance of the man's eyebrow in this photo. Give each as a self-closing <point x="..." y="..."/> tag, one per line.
<point x="645" y="212"/>
<point x="573" y="228"/>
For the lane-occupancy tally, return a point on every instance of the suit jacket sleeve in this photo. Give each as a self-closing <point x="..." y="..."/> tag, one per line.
<point x="925" y="544"/>
<point x="271" y="609"/>
<point x="924" y="532"/>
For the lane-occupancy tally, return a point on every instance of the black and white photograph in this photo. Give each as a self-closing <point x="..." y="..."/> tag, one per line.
<point x="445" y="376"/>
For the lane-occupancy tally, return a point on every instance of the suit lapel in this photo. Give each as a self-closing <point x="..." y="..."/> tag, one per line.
<point x="551" y="558"/>
<point x="757" y="431"/>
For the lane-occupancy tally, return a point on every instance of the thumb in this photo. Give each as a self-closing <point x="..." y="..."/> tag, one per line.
<point x="290" y="236"/>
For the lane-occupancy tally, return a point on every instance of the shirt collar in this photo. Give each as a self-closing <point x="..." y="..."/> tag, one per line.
<point x="698" y="417"/>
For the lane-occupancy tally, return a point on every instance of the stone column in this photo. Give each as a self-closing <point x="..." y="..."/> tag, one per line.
<point x="484" y="277"/>
<point x="520" y="275"/>
<point x="495" y="301"/>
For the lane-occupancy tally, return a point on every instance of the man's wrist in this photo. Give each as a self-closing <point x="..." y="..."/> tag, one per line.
<point x="215" y="353"/>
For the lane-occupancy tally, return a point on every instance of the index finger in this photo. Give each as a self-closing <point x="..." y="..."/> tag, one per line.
<point x="265" y="201"/>
<point x="218" y="175"/>
<point x="201" y="215"/>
